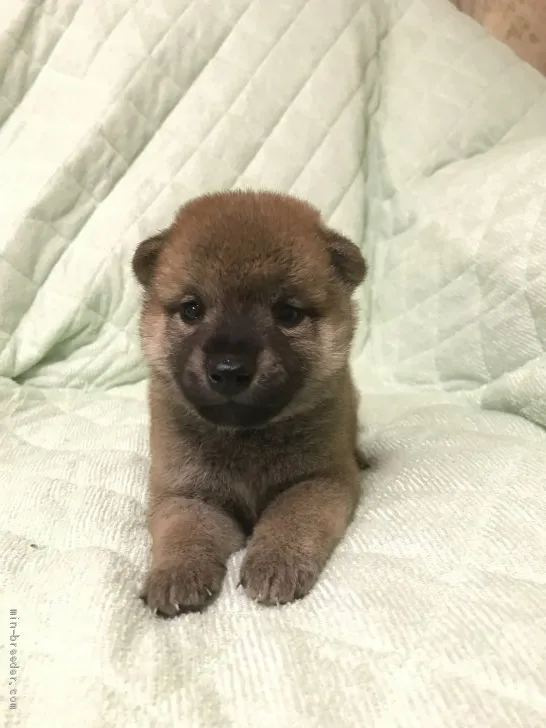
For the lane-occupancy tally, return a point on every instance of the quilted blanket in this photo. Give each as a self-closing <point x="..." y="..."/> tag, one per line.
<point x="425" y="141"/>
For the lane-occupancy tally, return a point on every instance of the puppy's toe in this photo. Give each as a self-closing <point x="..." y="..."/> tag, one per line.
<point x="277" y="575"/>
<point x="183" y="587"/>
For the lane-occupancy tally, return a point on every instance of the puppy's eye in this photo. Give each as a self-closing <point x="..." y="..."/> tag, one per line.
<point x="192" y="311"/>
<point x="287" y="315"/>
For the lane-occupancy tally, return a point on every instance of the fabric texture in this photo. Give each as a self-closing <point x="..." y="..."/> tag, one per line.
<point x="425" y="141"/>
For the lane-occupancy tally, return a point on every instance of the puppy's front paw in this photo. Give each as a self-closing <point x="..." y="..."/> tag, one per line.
<point x="276" y="574"/>
<point x="187" y="586"/>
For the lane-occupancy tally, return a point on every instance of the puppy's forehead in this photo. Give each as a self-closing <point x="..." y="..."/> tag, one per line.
<point x="247" y="238"/>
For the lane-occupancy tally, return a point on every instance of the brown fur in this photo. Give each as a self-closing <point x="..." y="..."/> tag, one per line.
<point x="288" y="480"/>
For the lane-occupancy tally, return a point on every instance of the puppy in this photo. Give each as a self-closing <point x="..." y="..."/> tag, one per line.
<point x="246" y="325"/>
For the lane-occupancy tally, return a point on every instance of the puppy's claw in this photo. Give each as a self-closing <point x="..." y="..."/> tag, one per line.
<point x="183" y="587"/>
<point x="275" y="576"/>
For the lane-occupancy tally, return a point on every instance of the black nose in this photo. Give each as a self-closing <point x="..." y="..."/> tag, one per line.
<point x="230" y="375"/>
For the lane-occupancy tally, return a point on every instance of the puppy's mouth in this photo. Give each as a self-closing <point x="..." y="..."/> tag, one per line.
<point x="252" y="409"/>
<point x="237" y="415"/>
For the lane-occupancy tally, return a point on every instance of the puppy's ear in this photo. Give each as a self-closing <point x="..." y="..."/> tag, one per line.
<point x="145" y="257"/>
<point x="346" y="258"/>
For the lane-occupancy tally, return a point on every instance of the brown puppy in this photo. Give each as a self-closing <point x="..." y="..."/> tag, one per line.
<point x="246" y="324"/>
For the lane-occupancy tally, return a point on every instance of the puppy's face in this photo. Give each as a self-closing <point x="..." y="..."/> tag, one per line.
<point x="247" y="311"/>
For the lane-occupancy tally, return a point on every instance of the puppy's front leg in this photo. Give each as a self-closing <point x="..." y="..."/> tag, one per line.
<point x="191" y="542"/>
<point x="295" y="536"/>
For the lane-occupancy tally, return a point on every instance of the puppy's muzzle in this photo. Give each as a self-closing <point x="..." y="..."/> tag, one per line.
<point x="230" y="374"/>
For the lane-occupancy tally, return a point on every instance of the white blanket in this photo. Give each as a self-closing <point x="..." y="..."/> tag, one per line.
<point x="422" y="139"/>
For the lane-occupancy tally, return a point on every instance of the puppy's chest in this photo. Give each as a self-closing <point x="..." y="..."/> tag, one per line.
<point x="245" y="480"/>
<point x="260" y="474"/>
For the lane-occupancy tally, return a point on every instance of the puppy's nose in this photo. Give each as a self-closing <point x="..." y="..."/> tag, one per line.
<point x="229" y="374"/>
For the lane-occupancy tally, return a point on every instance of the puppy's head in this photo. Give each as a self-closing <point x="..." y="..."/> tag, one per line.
<point x="247" y="310"/>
